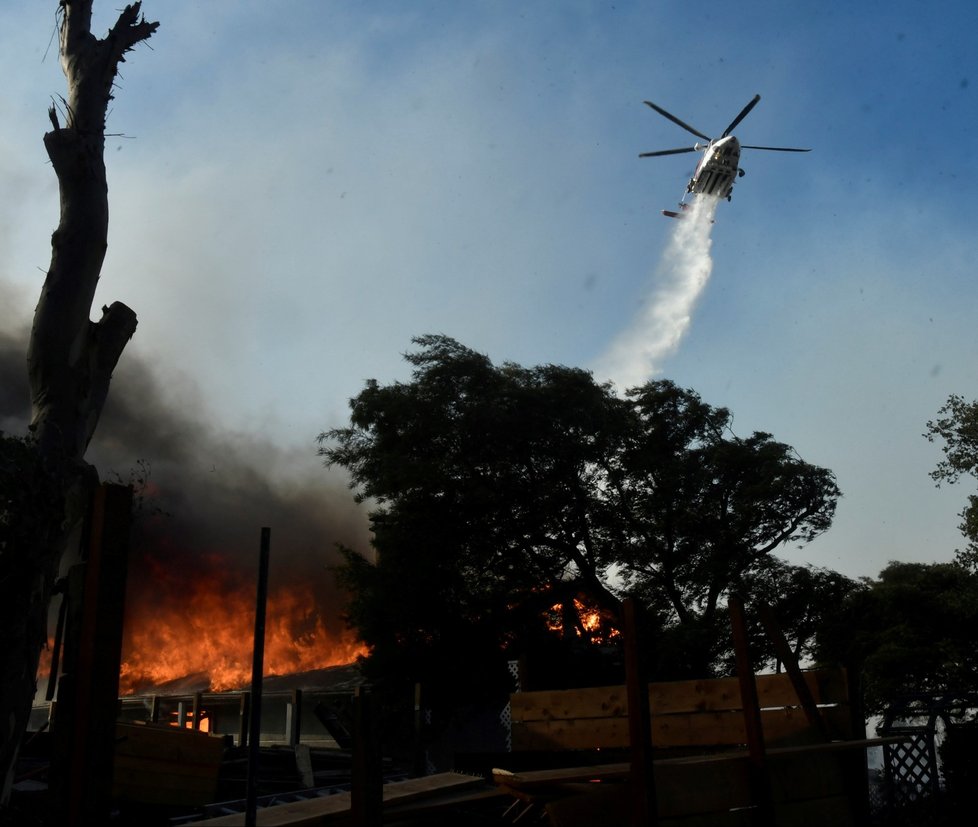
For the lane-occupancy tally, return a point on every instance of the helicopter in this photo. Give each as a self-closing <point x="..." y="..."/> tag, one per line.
<point x="718" y="168"/>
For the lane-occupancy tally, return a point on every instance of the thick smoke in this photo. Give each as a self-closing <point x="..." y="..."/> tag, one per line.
<point x="13" y="382"/>
<point x="202" y="496"/>
<point x="637" y="353"/>
<point x="14" y="332"/>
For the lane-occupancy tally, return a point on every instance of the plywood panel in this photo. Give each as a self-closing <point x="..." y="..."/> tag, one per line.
<point x="805" y="776"/>
<point x="732" y="818"/>
<point x="701" y="791"/>
<point x="684" y="713"/>
<point x="159" y="741"/>
<point x="708" y="786"/>
<point x="606" y="806"/>
<point x="808" y="787"/>
<point x="161" y="764"/>
<point x="827" y="687"/>
<point x="705" y="729"/>
<point x="594" y="702"/>
<point x="837" y="812"/>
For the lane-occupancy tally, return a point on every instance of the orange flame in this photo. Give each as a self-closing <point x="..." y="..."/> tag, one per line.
<point x="206" y="629"/>
<point x="591" y="620"/>
<point x="205" y="721"/>
<point x="210" y="631"/>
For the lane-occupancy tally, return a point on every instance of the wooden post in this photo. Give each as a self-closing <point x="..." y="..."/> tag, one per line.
<point x="854" y="765"/>
<point x="644" y="810"/>
<point x="419" y="764"/>
<point x="61" y="587"/>
<point x="293" y="718"/>
<point x="154" y="709"/>
<point x="257" y="669"/>
<point x="64" y="806"/>
<point x="787" y="657"/>
<point x="197" y="709"/>
<point x="88" y="695"/>
<point x="244" y="714"/>
<point x="367" y="783"/>
<point x="760" y="781"/>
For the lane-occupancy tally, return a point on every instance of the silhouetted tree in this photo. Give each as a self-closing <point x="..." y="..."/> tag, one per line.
<point x="70" y="358"/>
<point x="498" y="491"/>
<point x="912" y="630"/>
<point x="803" y="600"/>
<point x="957" y="427"/>
<point x="703" y="508"/>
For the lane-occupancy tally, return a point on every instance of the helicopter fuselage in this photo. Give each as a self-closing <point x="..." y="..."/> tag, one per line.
<point x="718" y="168"/>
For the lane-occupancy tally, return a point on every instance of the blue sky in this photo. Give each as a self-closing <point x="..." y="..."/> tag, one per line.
<point x="298" y="188"/>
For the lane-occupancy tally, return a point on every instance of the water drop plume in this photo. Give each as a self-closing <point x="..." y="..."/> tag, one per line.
<point x="639" y="351"/>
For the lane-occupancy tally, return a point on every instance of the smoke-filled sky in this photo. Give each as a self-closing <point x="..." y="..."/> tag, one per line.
<point x="299" y="188"/>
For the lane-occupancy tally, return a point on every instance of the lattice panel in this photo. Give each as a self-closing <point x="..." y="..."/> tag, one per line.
<point x="506" y="716"/>
<point x="911" y="769"/>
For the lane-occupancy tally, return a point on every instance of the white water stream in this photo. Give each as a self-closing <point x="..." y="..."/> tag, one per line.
<point x="637" y="353"/>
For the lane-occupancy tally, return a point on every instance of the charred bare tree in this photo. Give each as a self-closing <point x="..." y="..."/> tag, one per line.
<point x="70" y="357"/>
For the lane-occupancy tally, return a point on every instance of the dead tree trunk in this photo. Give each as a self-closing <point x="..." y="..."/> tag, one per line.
<point x="70" y="357"/>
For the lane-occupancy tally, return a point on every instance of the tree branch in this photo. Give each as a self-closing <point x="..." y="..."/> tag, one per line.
<point x="107" y="340"/>
<point x="128" y="30"/>
<point x="90" y="65"/>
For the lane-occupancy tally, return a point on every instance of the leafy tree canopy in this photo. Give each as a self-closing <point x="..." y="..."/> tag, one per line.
<point x="957" y="427"/>
<point x="912" y="631"/>
<point x="498" y="491"/>
<point x="804" y="599"/>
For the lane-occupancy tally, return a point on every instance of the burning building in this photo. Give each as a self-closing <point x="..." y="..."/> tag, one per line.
<point x="201" y="496"/>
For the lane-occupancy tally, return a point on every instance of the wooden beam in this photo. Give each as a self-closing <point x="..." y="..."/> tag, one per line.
<point x="293" y="717"/>
<point x="642" y="777"/>
<point x="419" y="762"/>
<point x="257" y="669"/>
<point x="244" y="717"/>
<point x="197" y="709"/>
<point x="367" y="781"/>
<point x="88" y="695"/>
<point x="760" y="781"/>
<point x="790" y="662"/>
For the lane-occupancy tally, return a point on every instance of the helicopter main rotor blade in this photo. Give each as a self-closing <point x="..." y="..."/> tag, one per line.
<point x="774" y="148"/>
<point x="676" y="121"/>
<point x="669" y="152"/>
<point x="741" y="116"/>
